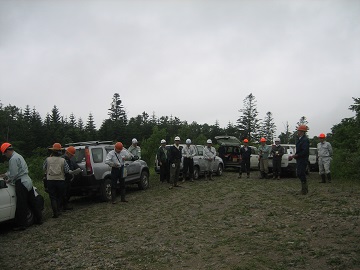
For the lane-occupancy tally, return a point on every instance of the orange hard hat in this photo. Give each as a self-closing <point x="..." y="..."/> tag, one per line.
<point x="5" y="146"/>
<point x="246" y="140"/>
<point x="71" y="150"/>
<point x="302" y="128"/>
<point x="119" y="146"/>
<point x="56" y="147"/>
<point x="322" y="136"/>
<point x="262" y="139"/>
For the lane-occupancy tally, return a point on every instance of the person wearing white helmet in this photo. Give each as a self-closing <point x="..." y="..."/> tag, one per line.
<point x="162" y="157"/>
<point x="188" y="153"/>
<point x="135" y="150"/>
<point x="277" y="152"/>
<point x="209" y="156"/>
<point x="174" y="155"/>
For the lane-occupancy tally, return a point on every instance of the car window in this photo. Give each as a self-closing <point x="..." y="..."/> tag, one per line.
<point x="97" y="155"/>
<point x="312" y="151"/>
<point x="200" y="150"/>
<point x="80" y="155"/>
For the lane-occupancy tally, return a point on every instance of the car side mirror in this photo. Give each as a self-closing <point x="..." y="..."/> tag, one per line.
<point x="2" y="184"/>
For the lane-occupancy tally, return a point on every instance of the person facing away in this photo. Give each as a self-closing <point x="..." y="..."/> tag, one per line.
<point x="116" y="160"/>
<point x="325" y="152"/>
<point x="56" y="169"/>
<point x="277" y="152"/>
<point x="209" y="155"/>
<point x="162" y="157"/>
<point x="18" y="176"/>
<point x="175" y="161"/>
<point x="135" y="150"/>
<point x="188" y="153"/>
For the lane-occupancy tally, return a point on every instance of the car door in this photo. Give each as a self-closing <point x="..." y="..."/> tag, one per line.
<point x="7" y="202"/>
<point x="200" y="158"/>
<point x="133" y="168"/>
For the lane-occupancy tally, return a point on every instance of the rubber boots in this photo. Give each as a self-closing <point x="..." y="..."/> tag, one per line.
<point x="122" y="195"/>
<point x="304" y="188"/>
<point x="328" y="177"/>
<point x="323" y="180"/>
<point x="113" y="195"/>
<point x="55" y="209"/>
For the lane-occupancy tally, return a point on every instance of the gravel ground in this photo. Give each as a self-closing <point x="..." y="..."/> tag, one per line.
<point x="228" y="223"/>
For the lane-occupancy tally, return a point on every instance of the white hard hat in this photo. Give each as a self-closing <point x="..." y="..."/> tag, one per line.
<point x="162" y="141"/>
<point x="209" y="141"/>
<point x="177" y="138"/>
<point x="134" y="140"/>
<point x="277" y="140"/>
<point x="188" y="141"/>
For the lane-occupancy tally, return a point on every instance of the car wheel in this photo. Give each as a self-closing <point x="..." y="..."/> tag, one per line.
<point x="196" y="173"/>
<point x="105" y="190"/>
<point x="219" y="170"/>
<point x="29" y="218"/>
<point x="144" y="180"/>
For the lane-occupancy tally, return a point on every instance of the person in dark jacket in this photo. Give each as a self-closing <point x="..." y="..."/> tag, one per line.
<point x="175" y="161"/>
<point x="245" y="154"/>
<point x="302" y="156"/>
<point x="162" y="157"/>
<point x="277" y="152"/>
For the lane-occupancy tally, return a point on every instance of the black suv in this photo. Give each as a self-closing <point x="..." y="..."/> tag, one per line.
<point x="96" y="175"/>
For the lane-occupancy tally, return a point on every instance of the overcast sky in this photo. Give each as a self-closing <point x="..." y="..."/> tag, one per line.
<point x="196" y="60"/>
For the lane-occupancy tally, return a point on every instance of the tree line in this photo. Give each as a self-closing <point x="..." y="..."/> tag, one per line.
<point x="32" y="135"/>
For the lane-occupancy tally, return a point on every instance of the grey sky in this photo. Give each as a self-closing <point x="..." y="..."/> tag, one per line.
<point x="196" y="60"/>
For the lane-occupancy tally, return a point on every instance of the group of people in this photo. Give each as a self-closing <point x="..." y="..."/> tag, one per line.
<point x="170" y="161"/>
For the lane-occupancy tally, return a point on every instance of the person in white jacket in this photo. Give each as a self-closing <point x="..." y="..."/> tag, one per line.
<point x="209" y="157"/>
<point x="188" y="153"/>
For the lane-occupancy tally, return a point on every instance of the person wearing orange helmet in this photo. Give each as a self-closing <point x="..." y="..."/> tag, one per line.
<point x="264" y="151"/>
<point x="245" y="154"/>
<point x="18" y="176"/>
<point x="116" y="160"/>
<point x="325" y="153"/>
<point x="302" y="157"/>
<point x="56" y="169"/>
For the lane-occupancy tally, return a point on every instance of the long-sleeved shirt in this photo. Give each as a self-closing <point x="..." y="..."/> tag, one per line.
<point x="116" y="160"/>
<point x="264" y="151"/>
<point x="135" y="151"/>
<point x="162" y="155"/>
<point x="209" y="153"/>
<point x="18" y="169"/>
<point x="53" y="171"/>
<point x="188" y="151"/>
<point x="324" y="149"/>
<point x="302" y="148"/>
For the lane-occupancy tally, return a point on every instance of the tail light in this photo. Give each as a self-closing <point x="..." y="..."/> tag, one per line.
<point x="89" y="169"/>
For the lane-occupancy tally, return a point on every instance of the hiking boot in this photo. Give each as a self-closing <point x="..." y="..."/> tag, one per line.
<point x="304" y="188"/>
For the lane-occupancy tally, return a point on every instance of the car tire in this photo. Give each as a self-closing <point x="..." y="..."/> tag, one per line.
<point x="219" y="170"/>
<point x="196" y="173"/>
<point x="105" y="190"/>
<point x="144" y="180"/>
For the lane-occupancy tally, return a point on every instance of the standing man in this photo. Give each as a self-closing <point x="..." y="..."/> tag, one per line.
<point x="56" y="168"/>
<point x="325" y="153"/>
<point x="245" y="154"/>
<point x="115" y="159"/>
<point x="264" y="151"/>
<point x="302" y="156"/>
<point x="175" y="161"/>
<point x="277" y="152"/>
<point x="18" y="176"/>
<point x="209" y="157"/>
<point x="162" y="157"/>
<point x="135" y="150"/>
<point x="188" y="153"/>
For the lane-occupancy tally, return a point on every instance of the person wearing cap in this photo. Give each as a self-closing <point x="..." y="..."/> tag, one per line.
<point x="116" y="160"/>
<point x="175" y="156"/>
<point x="135" y="150"/>
<point x="264" y="151"/>
<point x="18" y="175"/>
<point x="277" y="152"/>
<point x="209" y="157"/>
<point x="245" y="155"/>
<point x="74" y="169"/>
<point x="56" y="168"/>
<point x="302" y="157"/>
<point x="325" y="153"/>
<point x="162" y="157"/>
<point x="188" y="153"/>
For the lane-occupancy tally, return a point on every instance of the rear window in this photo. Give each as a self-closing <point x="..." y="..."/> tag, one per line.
<point x="80" y="155"/>
<point x="97" y="155"/>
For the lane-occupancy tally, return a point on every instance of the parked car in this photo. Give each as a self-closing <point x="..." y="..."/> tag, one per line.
<point x="287" y="166"/>
<point x="229" y="149"/>
<point x="8" y="203"/>
<point x="313" y="159"/>
<point x="199" y="163"/>
<point x="96" y="175"/>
